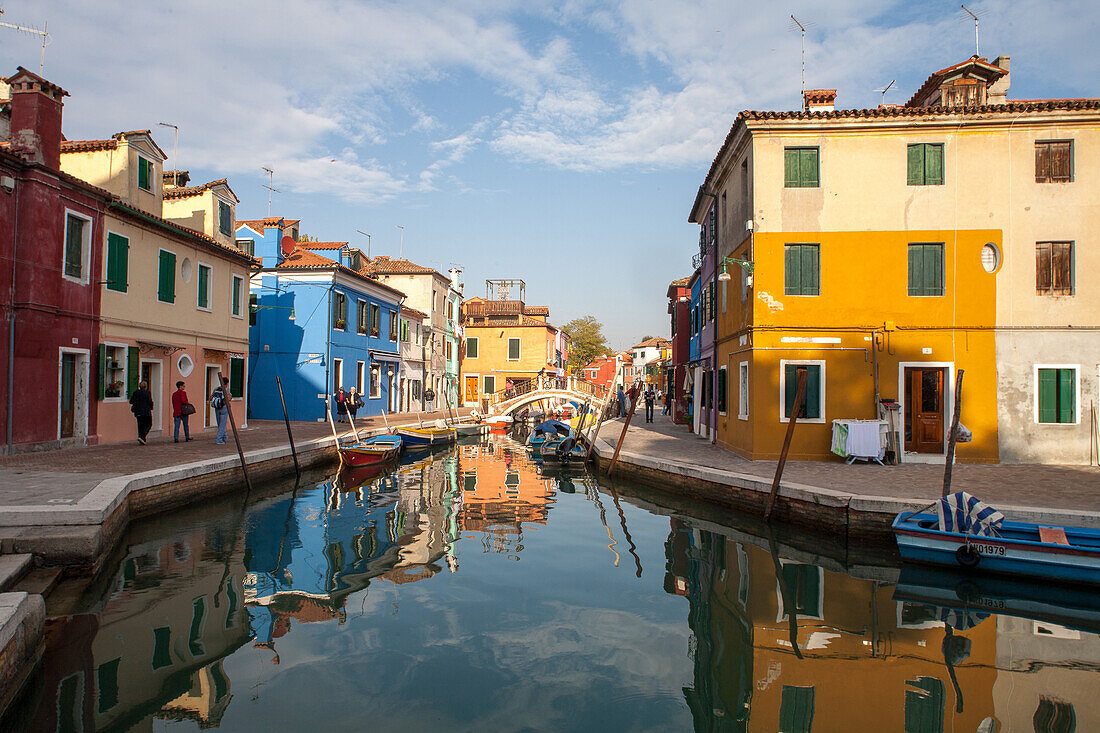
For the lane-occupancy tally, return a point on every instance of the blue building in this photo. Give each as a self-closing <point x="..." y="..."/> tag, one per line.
<point x="317" y="323"/>
<point x="694" y="350"/>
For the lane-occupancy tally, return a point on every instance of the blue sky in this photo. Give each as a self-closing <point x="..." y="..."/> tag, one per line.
<point x="561" y="142"/>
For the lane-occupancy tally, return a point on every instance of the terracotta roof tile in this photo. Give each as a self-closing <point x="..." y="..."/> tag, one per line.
<point x="933" y="79"/>
<point x="87" y="146"/>
<point x="119" y="205"/>
<point x="303" y="259"/>
<point x="268" y="222"/>
<point x="412" y="312"/>
<point x="323" y="245"/>
<point x="182" y="192"/>
<point x="383" y="265"/>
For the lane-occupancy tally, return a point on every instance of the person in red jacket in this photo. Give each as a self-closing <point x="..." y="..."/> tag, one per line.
<point x="179" y="399"/>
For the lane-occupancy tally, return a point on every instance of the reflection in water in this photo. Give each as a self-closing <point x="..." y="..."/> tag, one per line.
<point x="305" y="609"/>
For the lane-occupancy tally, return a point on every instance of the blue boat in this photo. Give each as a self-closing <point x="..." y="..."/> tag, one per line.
<point x="550" y="431"/>
<point x="965" y="533"/>
<point x="563" y="451"/>
<point x="426" y="437"/>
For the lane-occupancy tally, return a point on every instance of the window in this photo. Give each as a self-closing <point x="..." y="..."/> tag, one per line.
<point x="490" y="385"/>
<point x="1056" y="716"/>
<point x="248" y="246"/>
<point x="375" y="381"/>
<point x="162" y="641"/>
<point x="924" y="705"/>
<point x="337" y="374"/>
<point x="416" y="389"/>
<point x="815" y="389"/>
<point x="925" y="164"/>
<point x="78" y="231"/>
<point x="375" y="320"/>
<point x="339" y="311"/>
<point x="447" y="350"/>
<point x="513" y="349"/>
<point x="118" y="367"/>
<point x="796" y="709"/>
<point x="204" y="287"/>
<point x="1056" y="396"/>
<point x="802" y="584"/>
<point x="106" y="683"/>
<point x="1053" y="161"/>
<point x="404" y="331"/>
<point x="1054" y="268"/>
<point x="225" y="219"/>
<point x="743" y="390"/>
<point x="145" y="174"/>
<point x="198" y="621"/>
<point x="471" y="347"/>
<point x="253" y="308"/>
<point x="166" y="277"/>
<point x="713" y="301"/>
<point x="800" y="168"/>
<point x="118" y="260"/>
<point x="361" y="316"/>
<point x="393" y="325"/>
<point x="359" y="374"/>
<point x="802" y="269"/>
<point x="925" y="269"/>
<point x="990" y="257"/>
<point x="722" y="390"/>
<point x="236" y="377"/>
<point x="235" y="297"/>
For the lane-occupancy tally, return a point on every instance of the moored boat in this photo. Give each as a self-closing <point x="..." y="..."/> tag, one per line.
<point x="464" y="429"/>
<point x="548" y="432"/>
<point x="563" y="451"/>
<point x="426" y="437"/>
<point x="378" y="449"/>
<point x="957" y="536"/>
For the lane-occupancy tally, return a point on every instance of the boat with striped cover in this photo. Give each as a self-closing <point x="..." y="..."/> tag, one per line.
<point x="426" y="437"/>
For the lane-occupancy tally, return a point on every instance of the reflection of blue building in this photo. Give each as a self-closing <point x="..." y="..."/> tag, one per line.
<point x="319" y="324"/>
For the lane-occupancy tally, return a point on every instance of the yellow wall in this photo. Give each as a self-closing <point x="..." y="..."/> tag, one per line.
<point x="117" y="171"/>
<point x="863" y="285"/>
<point x="200" y="213"/>
<point x="492" y="356"/>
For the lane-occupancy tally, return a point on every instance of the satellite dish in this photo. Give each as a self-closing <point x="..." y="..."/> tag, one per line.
<point x="287" y="245"/>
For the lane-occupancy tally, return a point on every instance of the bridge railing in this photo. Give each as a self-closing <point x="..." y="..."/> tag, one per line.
<point x="546" y="383"/>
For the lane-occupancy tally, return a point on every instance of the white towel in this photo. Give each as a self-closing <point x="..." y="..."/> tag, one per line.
<point x="863" y="439"/>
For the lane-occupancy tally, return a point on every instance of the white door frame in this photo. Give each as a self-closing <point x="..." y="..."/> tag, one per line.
<point x="81" y="387"/>
<point x="210" y="419"/>
<point x="948" y="407"/>
<point x="158" y="406"/>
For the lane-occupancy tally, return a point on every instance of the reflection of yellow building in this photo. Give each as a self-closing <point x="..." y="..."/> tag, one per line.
<point x="205" y="702"/>
<point x="867" y="662"/>
<point x="501" y="490"/>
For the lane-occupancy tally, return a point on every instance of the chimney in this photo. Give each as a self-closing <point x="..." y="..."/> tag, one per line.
<point x="456" y="278"/>
<point x="818" y="100"/>
<point x="36" y="118"/>
<point x="998" y="90"/>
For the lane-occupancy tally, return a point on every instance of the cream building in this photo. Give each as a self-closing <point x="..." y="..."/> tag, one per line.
<point x="174" y="300"/>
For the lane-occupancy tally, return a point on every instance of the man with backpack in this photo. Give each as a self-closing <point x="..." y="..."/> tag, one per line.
<point x="219" y="400"/>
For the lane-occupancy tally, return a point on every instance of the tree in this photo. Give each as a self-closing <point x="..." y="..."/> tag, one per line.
<point x="586" y="340"/>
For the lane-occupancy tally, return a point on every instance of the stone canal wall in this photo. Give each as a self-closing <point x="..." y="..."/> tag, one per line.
<point x="22" y="624"/>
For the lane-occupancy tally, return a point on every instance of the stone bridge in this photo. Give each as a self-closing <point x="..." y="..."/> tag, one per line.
<point x="528" y="391"/>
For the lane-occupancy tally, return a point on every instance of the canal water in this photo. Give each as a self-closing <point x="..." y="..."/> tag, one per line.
<point x="474" y="590"/>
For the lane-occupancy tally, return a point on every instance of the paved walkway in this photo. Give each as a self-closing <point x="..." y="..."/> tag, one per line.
<point x="62" y="477"/>
<point x="1049" y="487"/>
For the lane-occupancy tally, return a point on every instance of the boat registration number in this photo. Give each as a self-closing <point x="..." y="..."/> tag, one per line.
<point x="989" y="549"/>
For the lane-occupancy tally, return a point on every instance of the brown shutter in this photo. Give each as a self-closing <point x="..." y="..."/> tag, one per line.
<point x="1042" y="162"/>
<point x="1042" y="268"/>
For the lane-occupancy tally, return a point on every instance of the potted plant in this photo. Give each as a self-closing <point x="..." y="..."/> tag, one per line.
<point x="341" y="323"/>
<point x="113" y="389"/>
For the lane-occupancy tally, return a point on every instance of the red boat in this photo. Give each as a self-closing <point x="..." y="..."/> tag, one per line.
<point x="376" y="450"/>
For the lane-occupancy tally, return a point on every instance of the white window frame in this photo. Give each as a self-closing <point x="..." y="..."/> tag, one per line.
<point x="239" y="303"/>
<point x="723" y="375"/>
<point x="477" y="344"/>
<point x="337" y="366"/>
<point x="1076" y="394"/>
<point x="374" y="395"/>
<point x="152" y="174"/>
<point x="780" y="615"/>
<point x="365" y="304"/>
<point x="125" y="363"/>
<point x="359" y="377"/>
<point x="743" y="390"/>
<point x="519" y="343"/>
<point x="339" y="294"/>
<point x="783" y="389"/>
<point x="209" y="308"/>
<point x="483" y="390"/>
<point x="85" y="247"/>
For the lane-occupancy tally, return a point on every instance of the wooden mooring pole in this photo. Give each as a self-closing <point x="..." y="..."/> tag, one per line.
<point x="626" y="425"/>
<point x="953" y="435"/>
<point x="289" y="434"/>
<point x="796" y="410"/>
<point x="236" y="437"/>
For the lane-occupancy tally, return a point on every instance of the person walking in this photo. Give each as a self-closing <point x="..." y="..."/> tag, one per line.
<point x="141" y="404"/>
<point x="182" y="410"/>
<point x="354" y="402"/>
<point x="650" y="396"/>
<point x="341" y="405"/>
<point x="622" y="402"/>
<point x="219" y="400"/>
<point x="666" y="402"/>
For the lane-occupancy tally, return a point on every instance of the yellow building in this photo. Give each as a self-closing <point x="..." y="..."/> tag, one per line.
<point x="506" y="340"/>
<point x="887" y="250"/>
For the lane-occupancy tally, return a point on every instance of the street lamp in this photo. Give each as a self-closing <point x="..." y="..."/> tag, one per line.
<point x="724" y="275"/>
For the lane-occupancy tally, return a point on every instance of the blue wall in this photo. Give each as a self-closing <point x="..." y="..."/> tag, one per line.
<point x="694" y="317"/>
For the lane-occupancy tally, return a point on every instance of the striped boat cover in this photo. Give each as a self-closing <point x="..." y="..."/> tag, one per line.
<point x="961" y="512"/>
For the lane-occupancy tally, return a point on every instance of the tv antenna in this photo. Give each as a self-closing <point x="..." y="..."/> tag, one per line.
<point x="975" y="17"/>
<point x="368" y="241"/>
<point x="797" y="25"/>
<point x="30" y="30"/>
<point x="270" y="188"/>
<point x="886" y="89"/>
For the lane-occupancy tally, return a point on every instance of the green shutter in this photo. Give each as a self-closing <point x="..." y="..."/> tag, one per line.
<point x="253" y="308"/>
<point x="101" y="389"/>
<point x="924" y="706"/>
<point x="133" y="375"/>
<point x="106" y="683"/>
<point x="916" y="165"/>
<point x="813" y="391"/>
<point x="204" y="287"/>
<point x="790" y="167"/>
<point x="118" y="258"/>
<point x="796" y="709"/>
<point x="792" y="270"/>
<point x="933" y="269"/>
<point x="810" y="274"/>
<point x="808" y="168"/>
<point x="74" y="247"/>
<point x="143" y="174"/>
<point x="933" y="165"/>
<point x="916" y="267"/>
<point x="236" y="377"/>
<point x="194" y="636"/>
<point x="1048" y="395"/>
<point x="236" y="304"/>
<point x="722" y="389"/>
<point x="166" y="287"/>
<point x="1067" y="396"/>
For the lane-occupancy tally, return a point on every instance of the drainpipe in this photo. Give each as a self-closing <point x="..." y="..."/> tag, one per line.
<point x="11" y="322"/>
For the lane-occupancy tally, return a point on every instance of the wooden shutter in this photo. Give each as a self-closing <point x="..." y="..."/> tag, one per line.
<point x="236" y="295"/>
<point x="74" y="247"/>
<point x="792" y="270"/>
<point x="236" y="377"/>
<point x="166" y="288"/>
<point x="722" y="389"/>
<point x="916" y="165"/>
<point x="1042" y="267"/>
<point x="1042" y="162"/>
<point x="1061" y="161"/>
<point x="808" y="167"/>
<point x="101" y="368"/>
<point x="1067" y="395"/>
<point x="916" y="268"/>
<point x="513" y="349"/>
<point x="933" y="165"/>
<point x="933" y="269"/>
<point x="924" y="705"/>
<point x="204" y="287"/>
<point x="810" y="273"/>
<point x="790" y="167"/>
<point x="796" y="709"/>
<point x="1048" y="395"/>
<point x="1061" y="268"/>
<point x="133" y="367"/>
<point x="813" y="391"/>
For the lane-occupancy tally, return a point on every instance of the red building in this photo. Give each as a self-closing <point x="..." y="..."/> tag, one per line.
<point x="600" y="370"/>
<point x="50" y="266"/>
<point x="679" y="308"/>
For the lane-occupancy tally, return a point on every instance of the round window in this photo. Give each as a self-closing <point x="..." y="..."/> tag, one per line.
<point x="991" y="258"/>
<point x="185" y="269"/>
<point x="185" y="365"/>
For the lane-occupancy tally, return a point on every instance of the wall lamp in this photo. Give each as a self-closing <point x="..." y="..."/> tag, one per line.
<point x="724" y="275"/>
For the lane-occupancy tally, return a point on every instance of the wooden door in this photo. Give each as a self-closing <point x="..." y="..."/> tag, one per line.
<point x="68" y="395"/>
<point x="924" y="408"/>
<point x="471" y="390"/>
